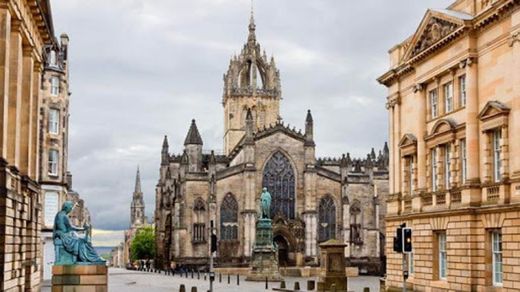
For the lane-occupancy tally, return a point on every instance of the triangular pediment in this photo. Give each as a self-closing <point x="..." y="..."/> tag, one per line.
<point x="408" y="139"/>
<point x="435" y="29"/>
<point x="493" y="108"/>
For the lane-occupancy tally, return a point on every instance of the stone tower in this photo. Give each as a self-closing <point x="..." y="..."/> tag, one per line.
<point x="137" y="217"/>
<point x="251" y="83"/>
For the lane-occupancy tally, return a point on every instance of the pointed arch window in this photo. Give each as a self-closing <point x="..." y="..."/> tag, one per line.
<point x="327" y="219"/>
<point x="229" y="218"/>
<point x="199" y="219"/>
<point x="279" y="180"/>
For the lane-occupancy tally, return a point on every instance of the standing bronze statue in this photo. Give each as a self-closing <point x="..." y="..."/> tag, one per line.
<point x="71" y="249"/>
<point x="265" y="201"/>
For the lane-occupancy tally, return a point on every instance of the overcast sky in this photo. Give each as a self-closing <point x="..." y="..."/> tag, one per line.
<point x="143" y="69"/>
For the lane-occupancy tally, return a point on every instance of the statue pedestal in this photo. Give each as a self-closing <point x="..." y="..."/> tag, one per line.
<point x="80" y="278"/>
<point x="264" y="263"/>
<point x="332" y="266"/>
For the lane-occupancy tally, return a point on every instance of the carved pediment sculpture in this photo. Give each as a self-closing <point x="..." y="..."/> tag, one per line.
<point x="435" y="30"/>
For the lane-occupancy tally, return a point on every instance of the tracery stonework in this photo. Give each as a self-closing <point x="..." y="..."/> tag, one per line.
<point x="310" y="196"/>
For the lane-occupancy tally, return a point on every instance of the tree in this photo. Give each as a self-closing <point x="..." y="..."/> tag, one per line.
<point x="143" y="245"/>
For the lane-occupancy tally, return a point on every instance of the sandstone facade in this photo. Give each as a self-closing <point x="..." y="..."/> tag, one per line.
<point x="313" y="199"/>
<point x="454" y="108"/>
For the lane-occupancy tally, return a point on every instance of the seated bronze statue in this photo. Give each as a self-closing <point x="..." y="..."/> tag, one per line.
<point x="69" y="248"/>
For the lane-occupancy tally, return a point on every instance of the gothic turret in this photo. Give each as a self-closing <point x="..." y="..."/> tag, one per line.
<point x="252" y="82"/>
<point x="309" y="129"/>
<point x="164" y="151"/>
<point x="137" y="217"/>
<point x="193" y="148"/>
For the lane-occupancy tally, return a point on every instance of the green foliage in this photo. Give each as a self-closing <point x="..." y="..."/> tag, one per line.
<point x="143" y="245"/>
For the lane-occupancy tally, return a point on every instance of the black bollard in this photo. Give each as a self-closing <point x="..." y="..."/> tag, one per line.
<point x="186" y="274"/>
<point x="228" y="279"/>
<point x="220" y="278"/>
<point x="204" y="276"/>
<point x="238" y="280"/>
<point x="198" y="275"/>
<point x="366" y="289"/>
<point x="311" y="285"/>
<point x="193" y="289"/>
<point x="296" y="286"/>
<point x="282" y="285"/>
<point x="192" y="274"/>
<point x="182" y="288"/>
<point x="266" y="284"/>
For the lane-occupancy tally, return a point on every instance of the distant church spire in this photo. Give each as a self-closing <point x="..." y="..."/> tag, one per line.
<point x="137" y="182"/>
<point x="252" y="25"/>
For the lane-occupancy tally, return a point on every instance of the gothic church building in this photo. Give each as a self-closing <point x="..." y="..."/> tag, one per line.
<point x="313" y="199"/>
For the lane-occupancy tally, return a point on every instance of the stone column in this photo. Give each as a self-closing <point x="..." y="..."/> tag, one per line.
<point x="35" y="125"/>
<point x="420" y="94"/>
<point x="392" y="146"/>
<point x="515" y="115"/>
<point x="397" y="137"/>
<point x="309" y="181"/>
<point x="26" y="113"/>
<point x="472" y="195"/>
<point x="15" y="95"/>
<point x="5" y="45"/>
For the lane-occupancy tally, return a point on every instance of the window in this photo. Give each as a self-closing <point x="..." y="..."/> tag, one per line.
<point x="55" y="86"/>
<point x="53" y="162"/>
<point x="462" y="90"/>
<point x="411" y="268"/>
<point x="54" y="121"/>
<point x="434" y="103"/>
<point x="52" y="58"/>
<point x="410" y="175"/>
<point x="327" y="219"/>
<point x="279" y="180"/>
<point x="497" y="136"/>
<point x="51" y="208"/>
<point x="496" y="242"/>
<point x="463" y="160"/>
<point x="229" y="218"/>
<point x="443" y="257"/>
<point x="199" y="226"/>
<point x="434" y="169"/>
<point x="448" y="97"/>
<point x="447" y="166"/>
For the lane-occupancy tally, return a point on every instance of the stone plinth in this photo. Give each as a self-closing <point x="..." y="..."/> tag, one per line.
<point x="80" y="278"/>
<point x="264" y="263"/>
<point x="332" y="259"/>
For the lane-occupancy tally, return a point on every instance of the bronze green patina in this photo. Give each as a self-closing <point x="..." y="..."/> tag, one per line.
<point x="69" y="248"/>
<point x="265" y="200"/>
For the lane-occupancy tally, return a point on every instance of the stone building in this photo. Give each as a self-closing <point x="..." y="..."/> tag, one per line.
<point x="26" y="30"/>
<point x="313" y="199"/>
<point x="454" y="108"/>
<point x="54" y="178"/>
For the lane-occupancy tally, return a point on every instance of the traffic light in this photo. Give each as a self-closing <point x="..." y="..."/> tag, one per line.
<point x="407" y="239"/>
<point x="398" y="240"/>
<point x="213" y="242"/>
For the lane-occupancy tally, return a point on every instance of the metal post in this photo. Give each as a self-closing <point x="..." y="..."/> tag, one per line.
<point x="211" y="273"/>
<point x="404" y="272"/>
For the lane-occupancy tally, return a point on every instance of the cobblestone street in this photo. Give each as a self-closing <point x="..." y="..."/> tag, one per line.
<point x="121" y="280"/>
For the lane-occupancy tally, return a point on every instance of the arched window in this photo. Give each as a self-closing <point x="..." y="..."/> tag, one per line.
<point x="279" y="181"/>
<point x="355" y="223"/>
<point x="199" y="221"/>
<point x="229" y="218"/>
<point x="327" y="219"/>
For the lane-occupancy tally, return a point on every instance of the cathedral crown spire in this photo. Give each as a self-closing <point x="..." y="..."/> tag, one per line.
<point x="252" y="26"/>
<point x="193" y="136"/>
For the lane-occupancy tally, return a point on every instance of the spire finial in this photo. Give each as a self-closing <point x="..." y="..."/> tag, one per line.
<point x="138" y="181"/>
<point x="252" y="26"/>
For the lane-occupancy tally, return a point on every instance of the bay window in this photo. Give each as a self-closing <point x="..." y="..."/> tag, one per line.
<point x="54" y="121"/>
<point x="55" y="86"/>
<point x="53" y="162"/>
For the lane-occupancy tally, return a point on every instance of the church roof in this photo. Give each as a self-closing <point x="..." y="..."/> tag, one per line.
<point x="193" y="137"/>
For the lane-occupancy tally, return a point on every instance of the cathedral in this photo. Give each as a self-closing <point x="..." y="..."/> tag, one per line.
<point x="314" y="199"/>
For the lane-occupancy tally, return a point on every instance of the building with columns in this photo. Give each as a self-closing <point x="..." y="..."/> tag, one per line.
<point x="314" y="199"/>
<point x="454" y="109"/>
<point x="26" y="29"/>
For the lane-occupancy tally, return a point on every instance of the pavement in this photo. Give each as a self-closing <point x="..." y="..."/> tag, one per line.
<point x="121" y="280"/>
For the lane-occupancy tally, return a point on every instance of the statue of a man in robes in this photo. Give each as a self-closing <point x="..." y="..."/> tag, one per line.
<point x="71" y="249"/>
<point x="265" y="201"/>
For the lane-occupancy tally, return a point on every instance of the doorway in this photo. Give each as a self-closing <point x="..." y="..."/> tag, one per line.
<point x="283" y="250"/>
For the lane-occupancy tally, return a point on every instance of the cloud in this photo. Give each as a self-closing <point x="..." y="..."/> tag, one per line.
<point x="143" y="69"/>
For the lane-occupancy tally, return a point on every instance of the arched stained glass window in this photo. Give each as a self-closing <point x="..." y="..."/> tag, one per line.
<point x="229" y="218"/>
<point x="327" y="219"/>
<point x="279" y="181"/>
